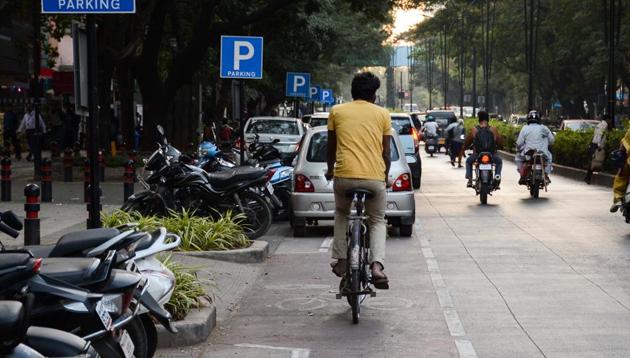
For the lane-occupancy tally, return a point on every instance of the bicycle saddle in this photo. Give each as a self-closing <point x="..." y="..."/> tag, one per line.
<point x="368" y="194"/>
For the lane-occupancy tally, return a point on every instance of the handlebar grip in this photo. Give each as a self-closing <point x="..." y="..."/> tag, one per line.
<point x="9" y="231"/>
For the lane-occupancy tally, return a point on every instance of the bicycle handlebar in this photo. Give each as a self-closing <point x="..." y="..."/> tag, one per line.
<point x="9" y="231"/>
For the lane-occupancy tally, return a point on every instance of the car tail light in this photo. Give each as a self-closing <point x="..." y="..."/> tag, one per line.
<point x="402" y="183"/>
<point x="270" y="174"/>
<point x="303" y="184"/>
<point x="485" y="159"/>
<point x="416" y="138"/>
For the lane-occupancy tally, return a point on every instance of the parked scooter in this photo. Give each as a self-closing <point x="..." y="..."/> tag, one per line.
<point x="483" y="180"/>
<point x="156" y="282"/>
<point x="173" y="186"/>
<point x="19" y="340"/>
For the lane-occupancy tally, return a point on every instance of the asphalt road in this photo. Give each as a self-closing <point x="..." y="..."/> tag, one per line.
<point x="520" y="277"/>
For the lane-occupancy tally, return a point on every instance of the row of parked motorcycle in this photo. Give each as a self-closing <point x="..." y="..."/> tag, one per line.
<point x="213" y="182"/>
<point x="97" y="292"/>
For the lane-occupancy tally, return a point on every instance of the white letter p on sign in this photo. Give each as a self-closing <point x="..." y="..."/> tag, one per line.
<point x="298" y="81"/>
<point x="238" y="56"/>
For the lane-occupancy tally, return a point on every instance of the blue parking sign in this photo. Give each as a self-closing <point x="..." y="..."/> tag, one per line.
<point x="327" y="96"/>
<point x="88" y="7"/>
<point x="315" y="93"/>
<point x="298" y="84"/>
<point x="241" y="57"/>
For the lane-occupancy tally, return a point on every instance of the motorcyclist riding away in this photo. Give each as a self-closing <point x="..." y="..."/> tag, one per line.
<point x="430" y="128"/>
<point x="484" y="139"/>
<point x="534" y="136"/>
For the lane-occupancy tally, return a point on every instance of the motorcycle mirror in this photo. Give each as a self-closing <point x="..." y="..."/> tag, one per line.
<point x="9" y="218"/>
<point x="160" y="129"/>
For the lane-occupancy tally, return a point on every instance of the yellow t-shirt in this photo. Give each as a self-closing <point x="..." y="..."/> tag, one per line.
<point x="360" y="127"/>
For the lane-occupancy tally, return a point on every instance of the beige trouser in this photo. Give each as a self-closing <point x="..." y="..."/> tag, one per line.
<point x="374" y="210"/>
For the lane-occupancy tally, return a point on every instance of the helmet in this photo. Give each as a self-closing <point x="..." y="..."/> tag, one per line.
<point x="533" y="117"/>
<point x="430" y="118"/>
<point x="208" y="150"/>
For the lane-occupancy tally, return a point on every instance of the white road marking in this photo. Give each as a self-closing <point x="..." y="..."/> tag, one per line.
<point x="455" y="326"/>
<point x="325" y="246"/>
<point x="295" y="352"/>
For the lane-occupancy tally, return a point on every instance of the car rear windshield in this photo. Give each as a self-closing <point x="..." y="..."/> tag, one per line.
<point x="263" y="126"/>
<point x="441" y="118"/>
<point x="580" y="126"/>
<point x="316" y="122"/>
<point x="318" y="148"/>
<point x="402" y="125"/>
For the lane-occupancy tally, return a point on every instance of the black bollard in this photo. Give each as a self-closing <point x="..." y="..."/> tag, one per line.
<point x="86" y="181"/>
<point x="54" y="149"/>
<point x="46" y="171"/>
<point x="31" y="222"/>
<point x="101" y="165"/>
<point x="5" y="177"/>
<point x="128" y="179"/>
<point x="68" y="162"/>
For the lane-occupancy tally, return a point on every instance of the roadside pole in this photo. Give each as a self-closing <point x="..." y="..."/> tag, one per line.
<point x="36" y="142"/>
<point x="94" y="205"/>
<point x="241" y="110"/>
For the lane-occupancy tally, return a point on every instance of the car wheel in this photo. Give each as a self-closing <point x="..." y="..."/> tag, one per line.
<point x="406" y="230"/>
<point x="415" y="179"/>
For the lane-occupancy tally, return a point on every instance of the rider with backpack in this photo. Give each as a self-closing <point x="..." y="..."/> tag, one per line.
<point x="484" y="139"/>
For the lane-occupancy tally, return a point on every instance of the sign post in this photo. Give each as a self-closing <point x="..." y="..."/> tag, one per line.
<point x="315" y="92"/>
<point x="327" y="97"/>
<point x="90" y="8"/>
<point x="241" y="58"/>
<point x="298" y="85"/>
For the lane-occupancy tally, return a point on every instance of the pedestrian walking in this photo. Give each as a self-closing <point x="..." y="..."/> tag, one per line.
<point x="597" y="148"/>
<point x="28" y="127"/>
<point x="9" y="131"/>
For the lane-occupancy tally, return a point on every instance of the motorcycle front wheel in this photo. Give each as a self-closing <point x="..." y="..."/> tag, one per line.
<point x="258" y="215"/>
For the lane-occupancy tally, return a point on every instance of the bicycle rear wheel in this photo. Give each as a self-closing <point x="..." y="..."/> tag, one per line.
<point x="354" y="297"/>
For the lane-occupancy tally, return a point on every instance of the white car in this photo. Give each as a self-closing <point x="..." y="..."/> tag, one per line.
<point x="288" y="132"/>
<point x="313" y="199"/>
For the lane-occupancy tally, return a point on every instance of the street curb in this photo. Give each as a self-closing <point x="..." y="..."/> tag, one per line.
<point x="601" y="179"/>
<point x="256" y="253"/>
<point x="194" y="329"/>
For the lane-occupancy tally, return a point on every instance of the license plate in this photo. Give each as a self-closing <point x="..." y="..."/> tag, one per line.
<point x="485" y="166"/>
<point x="431" y="147"/>
<point x="126" y="344"/>
<point x="538" y="167"/>
<point x="103" y="315"/>
<point x="269" y="188"/>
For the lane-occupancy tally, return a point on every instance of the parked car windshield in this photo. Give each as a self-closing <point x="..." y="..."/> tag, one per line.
<point x="316" y="122"/>
<point x="318" y="148"/>
<point x="267" y="126"/>
<point x="402" y="125"/>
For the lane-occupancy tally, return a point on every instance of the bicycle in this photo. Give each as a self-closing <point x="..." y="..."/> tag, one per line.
<point x="356" y="285"/>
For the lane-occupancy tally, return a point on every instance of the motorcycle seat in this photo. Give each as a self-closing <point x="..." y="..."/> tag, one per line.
<point x="226" y="178"/>
<point x="76" y="270"/>
<point x="75" y="242"/>
<point x="54" y="342"/>
<point x="11" y="260"/>
<point x="12" y="316"/>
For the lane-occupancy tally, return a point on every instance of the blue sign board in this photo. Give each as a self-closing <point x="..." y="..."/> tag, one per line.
<point x="241" y="57"/>
<point x="315" y="93"/>
<point x="298" y="84"/>
<point x="88" y="6"/>
<point x="327" y="96"/>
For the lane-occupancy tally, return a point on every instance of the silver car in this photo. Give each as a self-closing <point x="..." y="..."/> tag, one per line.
<point x="313" y="199"/>
<point x="288" y="132"/>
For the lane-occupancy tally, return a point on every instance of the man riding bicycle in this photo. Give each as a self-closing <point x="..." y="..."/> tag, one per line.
<point x="359" y="157"/>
